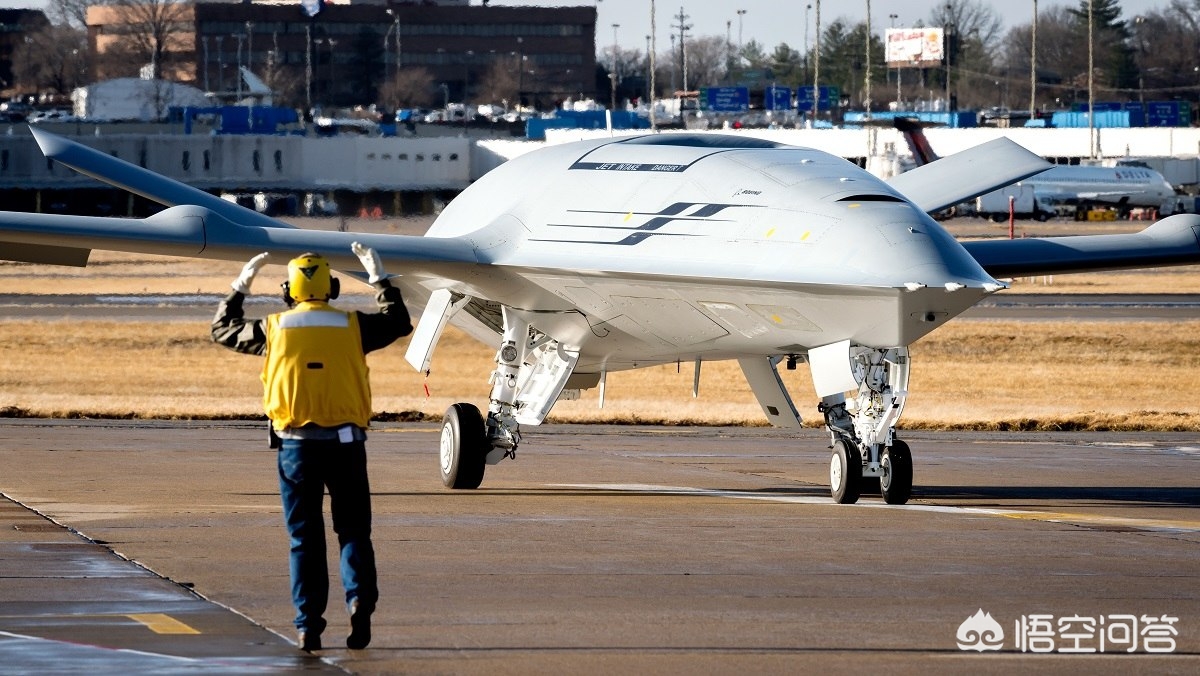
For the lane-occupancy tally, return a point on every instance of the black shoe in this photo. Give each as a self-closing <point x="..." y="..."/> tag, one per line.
<point x="309" y="641"/>
<point x="360" y="627"/>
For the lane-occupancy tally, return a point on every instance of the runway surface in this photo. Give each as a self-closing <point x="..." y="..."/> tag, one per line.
<point x="607" y="549"/>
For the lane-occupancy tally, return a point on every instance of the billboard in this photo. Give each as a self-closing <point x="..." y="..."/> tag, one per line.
<point x="915" y="47"/>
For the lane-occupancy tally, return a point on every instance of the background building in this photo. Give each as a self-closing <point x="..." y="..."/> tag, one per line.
<point x="356" y="54"/>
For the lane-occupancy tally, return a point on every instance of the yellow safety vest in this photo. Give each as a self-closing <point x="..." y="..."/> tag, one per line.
<point x="315" y="371"/>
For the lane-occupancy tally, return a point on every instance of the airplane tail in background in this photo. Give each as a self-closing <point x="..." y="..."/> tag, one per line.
<point x="914" y="135"/>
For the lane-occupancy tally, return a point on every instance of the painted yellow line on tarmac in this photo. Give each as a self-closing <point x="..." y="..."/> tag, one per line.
<point x="162" y="624"/>
<point x="1073" y="519"/>
<point x="1103" y="521"/>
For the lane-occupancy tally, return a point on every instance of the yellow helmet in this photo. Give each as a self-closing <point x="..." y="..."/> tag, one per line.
<point x="309" y="279"/>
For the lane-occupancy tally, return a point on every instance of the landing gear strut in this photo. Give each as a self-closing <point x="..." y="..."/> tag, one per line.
<point x="861" y="429"/>
<point x="531" y="371"/>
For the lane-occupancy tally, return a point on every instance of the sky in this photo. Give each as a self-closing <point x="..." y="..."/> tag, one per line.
<point x="768" y="21"/>
<point x="774" y="21"/>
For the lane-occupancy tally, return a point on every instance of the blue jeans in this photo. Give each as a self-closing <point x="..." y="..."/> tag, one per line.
<point x="306" y="468"/>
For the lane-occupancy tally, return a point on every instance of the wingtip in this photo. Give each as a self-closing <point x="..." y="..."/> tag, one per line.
<point x="51" y="144"/>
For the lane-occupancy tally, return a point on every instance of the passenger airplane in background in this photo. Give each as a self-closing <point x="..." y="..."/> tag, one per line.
<point x="1082" y="186"/>
<point x="580" y="259"/>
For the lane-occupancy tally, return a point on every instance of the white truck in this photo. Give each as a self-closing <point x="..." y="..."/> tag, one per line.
<point x="1025" y="204"/>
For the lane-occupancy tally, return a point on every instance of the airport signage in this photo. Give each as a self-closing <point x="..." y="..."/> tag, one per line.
<point x="828" y="97"/>
<point x="725" y="99"/>
<point x="778" y="98"/>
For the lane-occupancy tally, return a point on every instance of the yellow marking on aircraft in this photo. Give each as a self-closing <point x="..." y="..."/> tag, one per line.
<point x="771" y="232"/>
<point x="853" y="206"/>
<point x="628" y="216"/>
<point x="162" y="624"/>
<point x="805" y="235"/>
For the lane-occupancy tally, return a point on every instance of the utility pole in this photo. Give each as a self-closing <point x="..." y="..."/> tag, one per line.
<point x="683" y="27"/>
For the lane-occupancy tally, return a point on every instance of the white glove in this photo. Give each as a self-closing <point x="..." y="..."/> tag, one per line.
<point x="249" y="270"/>
<point x="371" y="262"/>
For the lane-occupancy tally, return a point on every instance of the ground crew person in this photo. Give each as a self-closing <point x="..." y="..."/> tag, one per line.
<point x="317" y="395"/>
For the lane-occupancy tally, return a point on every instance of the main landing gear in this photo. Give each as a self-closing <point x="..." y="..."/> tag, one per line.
<point x="866" y="451"/>
<point x="531" y="371"/>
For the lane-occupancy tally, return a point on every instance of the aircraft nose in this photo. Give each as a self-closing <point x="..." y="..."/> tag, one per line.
<point x="906" y="251"/>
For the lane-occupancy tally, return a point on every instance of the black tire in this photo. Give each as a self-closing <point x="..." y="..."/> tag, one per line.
<point x="896" y="482"/>
<point x="463" y="448"/>
<point x="845" y="473"/>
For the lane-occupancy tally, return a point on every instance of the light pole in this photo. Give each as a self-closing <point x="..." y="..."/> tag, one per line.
<point x="650" y="52"/>
<point x="893" y="18"/>
<point x="387" y="66"/>
<point x="250" y="46"/>
<point x="317" y="66"/>
<point x="204" y="41"/>
<point x="307" y="70"/>
<point x="817" y="65"/>
<point x="520" y="75"/>
<point x="220" y="65"/>
<point x="239" y="37"/>
<point x="612" y="74"/>
<point x="867" y="77"/>
<point x="949" y="52"/>
<point x="466" y="81"/>
<point x="1033" y="64"/>
<point x="332" y="82"/>
<point x="649" y="73"/>
<point x="807" y="9"/>
<point x="741" y="13"/>
<point x="1091" y="72"/>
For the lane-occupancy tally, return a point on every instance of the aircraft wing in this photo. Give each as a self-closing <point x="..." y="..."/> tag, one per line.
<point x="200" y="225"/>
<point x="198" y="232"/>
<point x="1174" y="240"/>
<point x="966" y="175"/>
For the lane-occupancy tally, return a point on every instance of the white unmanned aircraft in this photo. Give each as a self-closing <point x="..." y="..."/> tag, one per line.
<point x="604" y="255"/>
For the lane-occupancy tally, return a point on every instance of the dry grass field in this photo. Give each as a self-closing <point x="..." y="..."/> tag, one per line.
<point x="969" y="374"/>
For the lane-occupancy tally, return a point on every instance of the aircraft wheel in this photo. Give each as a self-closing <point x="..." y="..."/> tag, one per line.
<point x="845" y="473"/>
<point x="464" y="447"/>
<point x="896" y="482"/>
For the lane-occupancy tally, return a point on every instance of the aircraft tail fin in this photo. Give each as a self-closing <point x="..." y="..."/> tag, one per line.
<point x="967" y="174"/>
<point x="914" y="135"/>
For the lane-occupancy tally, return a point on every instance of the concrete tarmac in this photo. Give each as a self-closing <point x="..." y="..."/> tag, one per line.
<point x="607" y="549"/>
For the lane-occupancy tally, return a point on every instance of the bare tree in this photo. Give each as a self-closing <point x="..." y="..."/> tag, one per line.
<point x="973" y="29"/>
<point x="154" y="33"/>
<point x="51" y="60"/>
<point x="501" y="81"/>
<point x="409" y="88"/>
<point x="71" y="12"/>
<point x="706" y="60"/>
